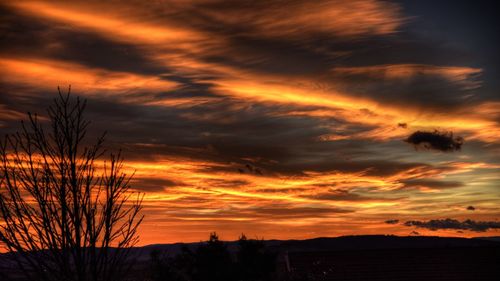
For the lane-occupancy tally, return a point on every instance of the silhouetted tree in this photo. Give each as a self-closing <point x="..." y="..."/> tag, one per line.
<point x="254" y="262"/>
<point x="213" y="261"/>
<point x="65" y="214"/>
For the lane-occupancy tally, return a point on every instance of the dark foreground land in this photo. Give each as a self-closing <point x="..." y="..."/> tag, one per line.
<point x="376" y="257"/>
<point x="464" y="263"/>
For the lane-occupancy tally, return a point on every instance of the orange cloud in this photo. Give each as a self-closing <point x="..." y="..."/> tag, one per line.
<point x="228" y="187"/>
<point x="338" y="104"/>
<point x="357" y="202"/>
<point x="48" y="74"/>
<point x="174" y="45"/>
<point x="8" y="114"/>
<point x="305" y="18"/>
<point x="456" y="74"/>
<point x="120" y="23"/>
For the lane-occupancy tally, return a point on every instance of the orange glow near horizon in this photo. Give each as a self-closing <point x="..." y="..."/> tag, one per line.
<point x="203" y="199"/>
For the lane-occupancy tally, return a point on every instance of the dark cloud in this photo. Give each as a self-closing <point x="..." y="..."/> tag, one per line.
<point x="279" y="212"/>
<point x="423" y="86"/>
<point x="340" y="195"/>
<point x="152" y="184"/>
<point x="298" y="212"/>
<point x="199" y="131"/>
<point x="269" y="19"/>
<point x="282" y="145"/>
<point x="266" y="55"/>
<point x="282" y="190"/>
<point x="315" y="58"/>
<point x="288" y="139"/>
<point x="250" y="170"/>
<point x="345" y="195"/>
<point x="368" y="167"/>
<point x="436" y="140"/>
<point x="394" y="221"/>
<point x="433" y="184"/>
<point x="471" y="225"/>
<point x="471" y="208"/>
<point x="225" y="183"/>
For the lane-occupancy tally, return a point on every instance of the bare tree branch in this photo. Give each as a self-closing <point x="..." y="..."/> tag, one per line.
<point x="64" y="213"/>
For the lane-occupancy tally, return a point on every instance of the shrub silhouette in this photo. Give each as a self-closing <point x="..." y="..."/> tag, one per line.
<point x="254" y="262"/>
<point x="212" y="261"/>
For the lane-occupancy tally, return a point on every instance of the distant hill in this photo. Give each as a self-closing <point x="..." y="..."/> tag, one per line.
<point x="489" y="238"/>
<point x="342" y="243"/>
<point x="372" y="242"/>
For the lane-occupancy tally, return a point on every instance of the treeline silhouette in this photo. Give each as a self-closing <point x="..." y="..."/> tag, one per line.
<point x="213" y="261"/>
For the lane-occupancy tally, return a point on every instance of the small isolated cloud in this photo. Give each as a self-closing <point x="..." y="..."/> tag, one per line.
<point x="471" y="208"/>
<point x="414" y="233"/>
<point x="391" y="221"/>
<point x="478" y="226"/>
<point x="436" y="140"/>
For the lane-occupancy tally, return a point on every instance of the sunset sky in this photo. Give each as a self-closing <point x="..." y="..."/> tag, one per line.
<point x="277" y="119"/>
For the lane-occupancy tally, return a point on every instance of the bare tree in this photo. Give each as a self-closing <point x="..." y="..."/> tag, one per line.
<point x="65" y="213"/>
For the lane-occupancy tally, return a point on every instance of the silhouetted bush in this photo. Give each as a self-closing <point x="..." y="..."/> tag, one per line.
<point x="254" y="262"/>
<point x="212" y="261"/>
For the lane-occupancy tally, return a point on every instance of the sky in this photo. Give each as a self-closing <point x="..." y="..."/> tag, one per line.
<point x="276" y="119"/>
